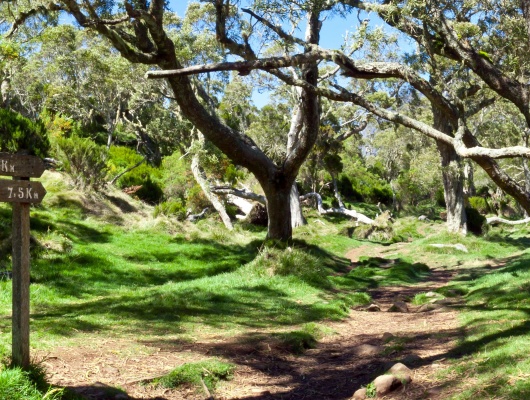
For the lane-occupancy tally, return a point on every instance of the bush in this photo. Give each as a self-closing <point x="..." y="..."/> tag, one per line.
<point x="84" y="161"/>
<point x="171" y="208"/>
<point x="143" y="175"/>
<point x="480" y="204"/>
<point x="195" y="198"/>
<point x="176" y="178"/>
<point x="19" y="133"/>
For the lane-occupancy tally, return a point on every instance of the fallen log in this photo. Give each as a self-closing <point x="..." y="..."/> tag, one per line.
<point x="340" y="210"/>
<point x="498" y="220"/>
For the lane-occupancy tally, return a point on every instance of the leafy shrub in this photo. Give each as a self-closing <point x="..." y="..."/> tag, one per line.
<point x="480" y="204"/>
<point x="19" y="133"/>
<point x="83" y="160"/>
<point x="195" y="198"/>
<point x="176" y="178"/>
<point x="363" y="185"/>
<point x="347" y="190"/>
<point x="143" y="175"/>
<point x="171" y="208"/>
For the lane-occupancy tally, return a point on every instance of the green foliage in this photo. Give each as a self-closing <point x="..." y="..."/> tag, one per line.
<point x="171" y="208"/>
<point x="84" y="160"/>
<point x="176" y="178"/>
<point x="143" y="175"/>
<point x="358" y="183"/>
<point x="58" y="125"/>
<point x="19" y="133"/>
<point x="371" y="391"/>
<point x="480" y="204"/>
<point x="195" y="198"/>
<point x="211" y="372"/>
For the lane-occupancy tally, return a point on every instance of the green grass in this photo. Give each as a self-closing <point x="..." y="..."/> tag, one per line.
<point x="298" y="341"/>
<point x="16" y="384"/>
<point x="160" y="281"/>
<point x="491" y="359"/>
<point x="209" y="372"/>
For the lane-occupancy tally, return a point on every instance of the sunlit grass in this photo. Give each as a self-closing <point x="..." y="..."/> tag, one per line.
<point x="491" y="359"/>
<point x="154" y="278"/>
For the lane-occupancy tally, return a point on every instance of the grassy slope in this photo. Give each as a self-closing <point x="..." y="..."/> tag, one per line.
<point x="104" y="266"/>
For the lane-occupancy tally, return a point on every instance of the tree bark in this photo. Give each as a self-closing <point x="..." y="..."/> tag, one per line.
<point x="469" y="172"/>
<point x="297" y="216"/>
<point x="278" y="195"/>
<point x="452" y="176"/>
<point x="200" y="177"/>
<point x="336" y="192"/>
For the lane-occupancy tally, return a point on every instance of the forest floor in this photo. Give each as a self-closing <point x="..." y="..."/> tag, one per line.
<point x="342" y="362"/>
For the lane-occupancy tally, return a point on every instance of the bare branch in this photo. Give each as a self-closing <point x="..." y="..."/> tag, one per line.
<point x="352" y="131"/>
<point x="243" y="193"/>
<point x="244" y="67"/>
<point x="276" y="29"/>
<point x="24" y="16"/>
<point x="498" y="220"/>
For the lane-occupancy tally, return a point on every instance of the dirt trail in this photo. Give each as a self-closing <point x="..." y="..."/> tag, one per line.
<point x="340" y="364"/>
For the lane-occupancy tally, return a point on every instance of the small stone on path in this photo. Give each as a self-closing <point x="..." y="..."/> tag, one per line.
<point x="399" y="306"/>
<point x="373" y="308"/>
<point x="385" y="384"/>
<point x="387" y="337"/>
<point x="360" y="394"/>
<point x="369" y="350"/>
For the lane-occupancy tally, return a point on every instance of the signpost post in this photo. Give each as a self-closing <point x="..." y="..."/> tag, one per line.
<point x="21" y="192"/>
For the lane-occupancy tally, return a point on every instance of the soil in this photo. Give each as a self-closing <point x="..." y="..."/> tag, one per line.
<point x="340" y="364"/>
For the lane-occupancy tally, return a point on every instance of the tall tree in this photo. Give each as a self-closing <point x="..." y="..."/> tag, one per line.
<point x="138" y="32"/>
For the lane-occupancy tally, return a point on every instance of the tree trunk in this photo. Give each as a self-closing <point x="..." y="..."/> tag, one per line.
<point x="5" y="88"/>
<point x="453" y="178"/>
<point x="200" y="177"/>
<point x="469" y="187"/>
<point x="336" y="192"/>
<point x="297" y="217"/>
<point x="278" y="194"/>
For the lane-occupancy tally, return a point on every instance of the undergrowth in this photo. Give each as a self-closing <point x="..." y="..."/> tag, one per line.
<point x="207" y="372"/>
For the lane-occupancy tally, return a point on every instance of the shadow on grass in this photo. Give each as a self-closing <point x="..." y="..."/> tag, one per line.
<point x="521" y="242"/>
<point x="87" y="273"/>
<point x="77" y="232"/>
<point x="166" y="311"/>
<point x="496" y="330"/>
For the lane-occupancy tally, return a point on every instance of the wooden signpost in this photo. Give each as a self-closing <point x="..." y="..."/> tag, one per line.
<point x="21" y="192"/>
